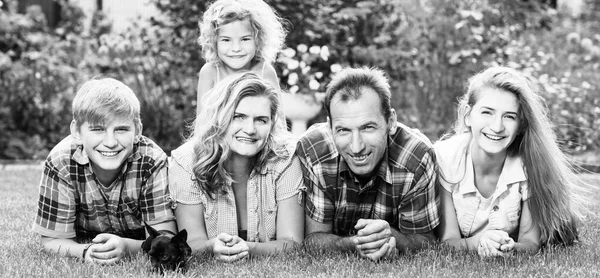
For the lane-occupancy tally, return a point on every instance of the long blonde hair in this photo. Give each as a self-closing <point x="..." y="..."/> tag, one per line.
<point x="211" y="151"/>
<point x="556" y="201"/>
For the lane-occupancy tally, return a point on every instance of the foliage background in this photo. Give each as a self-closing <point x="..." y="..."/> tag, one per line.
<point x="428" y="48"/>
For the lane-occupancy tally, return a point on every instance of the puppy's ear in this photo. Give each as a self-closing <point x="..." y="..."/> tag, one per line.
<point x="181" y="241"/>
<point x="151" y="231"/>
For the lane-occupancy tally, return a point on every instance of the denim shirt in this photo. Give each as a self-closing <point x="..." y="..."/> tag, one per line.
<point x="500" y="211"/>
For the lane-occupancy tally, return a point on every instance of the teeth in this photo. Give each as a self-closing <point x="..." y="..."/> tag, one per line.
<point x="362" y="157"/>
<point x="493" y="137"/>
<point x="246" y="139"/>
<point x="110" y="154"/>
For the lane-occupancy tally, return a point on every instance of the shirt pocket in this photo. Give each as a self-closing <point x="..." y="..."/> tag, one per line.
<point x="511" y="208"/>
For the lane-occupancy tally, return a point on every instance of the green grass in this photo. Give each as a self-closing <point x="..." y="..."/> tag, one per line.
<point x="21" y="254"/>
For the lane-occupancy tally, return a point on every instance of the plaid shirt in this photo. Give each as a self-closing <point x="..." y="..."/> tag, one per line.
<point x="403" y="192"/>
<point x="279" y="179"/>
<point x="73" y="204"/>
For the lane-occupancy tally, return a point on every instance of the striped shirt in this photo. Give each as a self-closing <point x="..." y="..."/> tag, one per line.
<point x="73" y="204"/>
<point x="276" y="181"/>
<point x="402" y="192"/>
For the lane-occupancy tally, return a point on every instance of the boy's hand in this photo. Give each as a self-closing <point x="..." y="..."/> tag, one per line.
<point x="107" y="249"/>
<point x="229" y="248"/>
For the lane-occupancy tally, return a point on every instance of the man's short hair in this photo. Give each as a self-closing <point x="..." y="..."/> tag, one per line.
<point x="102" y="100"/>
<point x="349" y="82"/>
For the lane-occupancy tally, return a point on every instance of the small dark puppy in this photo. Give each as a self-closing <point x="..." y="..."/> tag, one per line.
<point x="166" y="250"/>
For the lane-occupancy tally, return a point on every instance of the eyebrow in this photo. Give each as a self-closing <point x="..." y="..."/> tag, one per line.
<point x="257" y="117"/>
<point x="508" y="112"/>
<point x="337" y="126"/>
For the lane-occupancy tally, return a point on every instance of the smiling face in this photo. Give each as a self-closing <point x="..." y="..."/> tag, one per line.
<point x="494" y="122"/>
<point x="360" y="131"/>
<point x="250" y="127"/>
<point x="236" y="45"/>
<point x="107" y="145"/>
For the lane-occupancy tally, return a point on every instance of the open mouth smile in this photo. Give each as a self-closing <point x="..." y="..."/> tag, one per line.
<point x="109" y="154"/>
<point x="494" y="137"/>
<point x="359" y="158"/>
<point x="246" y="139"/>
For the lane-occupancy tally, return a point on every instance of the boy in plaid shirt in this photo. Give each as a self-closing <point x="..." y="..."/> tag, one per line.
<point x="103" y="180"/>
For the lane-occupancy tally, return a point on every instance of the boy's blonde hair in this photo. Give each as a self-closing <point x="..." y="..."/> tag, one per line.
<point x="265" y="24"/>
<point x="103" y="99"/>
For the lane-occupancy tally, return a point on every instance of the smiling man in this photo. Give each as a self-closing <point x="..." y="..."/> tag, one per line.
<point x="370" y="182"/>
<point x="103" y="180"/>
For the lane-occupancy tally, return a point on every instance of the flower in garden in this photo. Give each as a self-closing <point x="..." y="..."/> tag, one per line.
<point x="573" y="38"/>
<point x="302" y="48"/>
<point x="293" y="64"/>
<point x="324" y="53"/>
<point x="292" y="78"/>
<point x="335" y="68"/>
<point x="315" y="49"/>
<point x="288" y="52"/>
<point x="314" y="84"/>
<point x="587" y="44"/>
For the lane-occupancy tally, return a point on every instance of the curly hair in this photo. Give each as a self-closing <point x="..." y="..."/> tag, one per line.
<point x="211" y="151"/>
<point x="267" y="27"/>
<point x="557" y="202"/>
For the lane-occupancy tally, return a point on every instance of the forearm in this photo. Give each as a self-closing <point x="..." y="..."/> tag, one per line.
<point x="330" y="241"/>
<point x="63" y="246"/>
<point x="463" y="243"/>
<point x="526" y="246"/>
<point x="276" y="246"/>
<point x="412" y="241"/>
<point x="200" y="245"/>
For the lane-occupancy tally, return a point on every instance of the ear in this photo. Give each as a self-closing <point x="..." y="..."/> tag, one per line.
<point x="138" y="134"/>
<point x="467" y="118"/>
<point x="151" y="231"/>
<point x="75" y="132"/>
<point x="393" y="122"/>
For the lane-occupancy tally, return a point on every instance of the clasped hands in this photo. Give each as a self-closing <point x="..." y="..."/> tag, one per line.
<point x="106" y="249"/>
<point x="374" y="239"/>
<point x="228" y="248"/>
<point x="495" y="243"/>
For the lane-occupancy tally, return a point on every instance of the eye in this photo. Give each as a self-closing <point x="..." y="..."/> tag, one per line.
<point x="511" y="117"/>
<point x="96" y="128"/>
<point x="224" y="40"/>
<point x="122" y="129"/>
<point x="165" y="257"/>
<point x="486" y="112"/>
<point x="238" y="117"/>
<point x="263" y="120"/>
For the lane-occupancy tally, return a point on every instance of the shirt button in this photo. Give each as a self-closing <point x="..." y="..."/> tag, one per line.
<point x="495" y="208"/>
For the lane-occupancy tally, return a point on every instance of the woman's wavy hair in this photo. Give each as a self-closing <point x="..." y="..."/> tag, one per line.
<point x="556" y="201"/>
<point x="266" y="25"/>
<point x="211" y="151"/>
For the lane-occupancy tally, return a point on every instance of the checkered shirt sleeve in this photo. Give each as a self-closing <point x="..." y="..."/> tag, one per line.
<point x="56" y="204"/>
<point x="155" y="200"/>
<point x="319" y="203"/>
<point x="418" y="210"/>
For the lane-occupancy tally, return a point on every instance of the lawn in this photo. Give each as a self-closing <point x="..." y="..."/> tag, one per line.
<point x="21" y="254"/>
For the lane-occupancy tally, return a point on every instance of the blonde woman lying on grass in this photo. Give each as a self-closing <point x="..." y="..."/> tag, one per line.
<point x="506" y="184"/>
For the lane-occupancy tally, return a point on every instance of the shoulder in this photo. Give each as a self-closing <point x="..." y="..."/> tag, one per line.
<point x="409" y="145"/>
<point x="316" y="144"/>
<point x="450" y="150"/>
<point x="184" y="156"/>
<point x="208" y="71"/>
<point x="149" y="151"/>
<point x="61" y="156"/>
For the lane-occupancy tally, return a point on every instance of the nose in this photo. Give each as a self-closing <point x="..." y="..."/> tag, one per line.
<point x="249" y="127"/>
<point x="497" y="125"/>
<point x="357" y="144"/>
<point x="110" y="141"/>
<point x="236" y="46"/>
